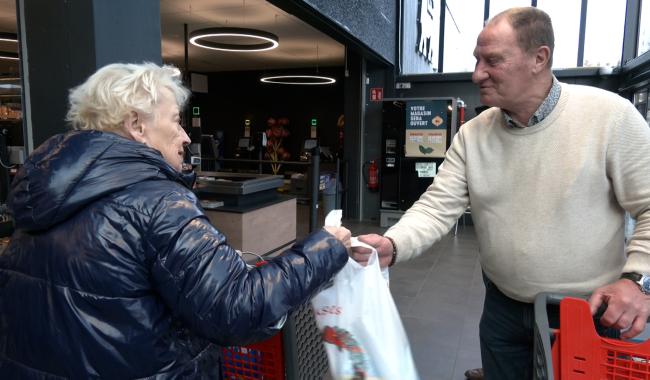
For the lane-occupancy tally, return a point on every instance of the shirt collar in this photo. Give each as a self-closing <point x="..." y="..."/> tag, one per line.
<point x="544" y="109"/>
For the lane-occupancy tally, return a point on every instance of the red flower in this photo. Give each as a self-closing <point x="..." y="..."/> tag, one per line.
<point x="275" y="132"/>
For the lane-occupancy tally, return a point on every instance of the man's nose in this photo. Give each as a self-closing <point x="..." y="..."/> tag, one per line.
<point x="479" y="73"/>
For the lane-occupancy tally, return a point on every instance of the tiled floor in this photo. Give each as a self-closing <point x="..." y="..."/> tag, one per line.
<point x="440" y="297"/>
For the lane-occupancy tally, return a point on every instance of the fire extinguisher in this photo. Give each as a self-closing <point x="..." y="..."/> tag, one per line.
<point x="373" y="176"/>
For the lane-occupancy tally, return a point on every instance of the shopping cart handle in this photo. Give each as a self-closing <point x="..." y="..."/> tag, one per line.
<point x="542" y="359"/>
<point x="543" y="363"/>
<point x="601" y="310"/>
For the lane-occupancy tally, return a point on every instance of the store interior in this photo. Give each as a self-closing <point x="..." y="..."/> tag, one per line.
<point x="228" y="96"/>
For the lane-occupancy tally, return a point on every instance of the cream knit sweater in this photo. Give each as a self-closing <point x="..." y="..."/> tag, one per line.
<point x="548" y="201"/>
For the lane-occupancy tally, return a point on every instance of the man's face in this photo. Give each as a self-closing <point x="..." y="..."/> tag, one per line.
<point x="503" y="70"/>
<point x="164" y="132"/>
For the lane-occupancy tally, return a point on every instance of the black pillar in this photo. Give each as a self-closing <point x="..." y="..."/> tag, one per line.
<point x="62" y="42"/>
<point x="353" y="140"/>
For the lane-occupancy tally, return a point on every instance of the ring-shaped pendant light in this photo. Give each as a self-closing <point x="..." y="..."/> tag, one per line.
<point x="9" y="55"/>
<point x="310" y="80"/>
<point x="199" y="38"/>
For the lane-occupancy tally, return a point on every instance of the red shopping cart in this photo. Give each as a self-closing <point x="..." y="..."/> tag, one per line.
<point x="575" y="351"/>
<point x="263" y="360"/>
<point x="294" y="353"/>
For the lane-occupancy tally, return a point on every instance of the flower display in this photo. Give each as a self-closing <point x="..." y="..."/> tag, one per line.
<point x="276" y="131"/>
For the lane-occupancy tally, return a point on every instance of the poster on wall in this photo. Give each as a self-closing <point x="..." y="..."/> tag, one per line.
<point x="426" y="128"/>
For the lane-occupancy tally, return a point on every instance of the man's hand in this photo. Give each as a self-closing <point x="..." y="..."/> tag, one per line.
<point x="383" y="246"/>
<point x="627" y="307"/>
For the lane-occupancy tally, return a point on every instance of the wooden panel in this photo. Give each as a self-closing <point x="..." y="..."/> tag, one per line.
<point x="228" y="223"/>
<point x="270" y="227"/>
<point x="258" y="231"/>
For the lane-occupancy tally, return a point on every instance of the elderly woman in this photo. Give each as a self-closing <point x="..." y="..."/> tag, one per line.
<point x="114" y="270"/>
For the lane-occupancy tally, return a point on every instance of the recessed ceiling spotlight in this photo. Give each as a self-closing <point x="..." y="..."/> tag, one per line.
<point x="261" y="40"/>
<point x="299" y="79"/>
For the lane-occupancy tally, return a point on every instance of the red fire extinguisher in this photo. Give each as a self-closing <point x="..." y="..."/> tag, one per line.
<point x="373" y="176"/>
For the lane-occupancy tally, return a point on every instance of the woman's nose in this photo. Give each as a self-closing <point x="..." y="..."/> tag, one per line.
<point x="186" y="139"/>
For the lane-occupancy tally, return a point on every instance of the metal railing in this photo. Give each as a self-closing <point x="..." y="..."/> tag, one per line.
<point x="314" y="167"/>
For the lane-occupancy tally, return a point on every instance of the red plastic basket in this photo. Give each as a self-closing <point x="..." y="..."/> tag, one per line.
<point x="263" y="360"/>
<point x="580" y="353"/>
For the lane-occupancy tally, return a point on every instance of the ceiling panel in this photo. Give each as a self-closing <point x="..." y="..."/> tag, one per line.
<point x="300" y="44"/>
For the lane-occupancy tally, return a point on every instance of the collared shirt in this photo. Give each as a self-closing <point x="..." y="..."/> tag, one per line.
<point x="544" y="109"/>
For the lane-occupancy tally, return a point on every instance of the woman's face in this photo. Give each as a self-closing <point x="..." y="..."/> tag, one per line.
<point x="163" y="131"/>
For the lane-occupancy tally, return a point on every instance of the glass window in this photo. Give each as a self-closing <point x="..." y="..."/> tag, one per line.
<point x="604" y="33"/>
<point x="460" y="36"/>
<point x="565" y="16"/>
<point x="498" y="6"/>
<point x="643" y="42"/>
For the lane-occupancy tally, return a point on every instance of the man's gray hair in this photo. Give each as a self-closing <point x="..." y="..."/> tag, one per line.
<point x="108" y="96"/>
<point x="533" y="28"/>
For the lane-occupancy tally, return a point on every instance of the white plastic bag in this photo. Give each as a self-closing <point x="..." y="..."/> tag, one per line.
<point x="361" y="328"/>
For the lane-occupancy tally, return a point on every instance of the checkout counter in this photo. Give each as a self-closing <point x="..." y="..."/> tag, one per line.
<point x="247" y="208"/>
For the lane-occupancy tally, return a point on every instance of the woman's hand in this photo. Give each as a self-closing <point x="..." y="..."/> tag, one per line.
<point x="342" y="234"/>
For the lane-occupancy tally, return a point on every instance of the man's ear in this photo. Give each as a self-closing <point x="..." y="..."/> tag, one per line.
<point x="542" y="56"/>
<point x="134" y="128"/>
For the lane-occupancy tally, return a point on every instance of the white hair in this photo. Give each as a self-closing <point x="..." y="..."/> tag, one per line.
<point x="109" y="96"/>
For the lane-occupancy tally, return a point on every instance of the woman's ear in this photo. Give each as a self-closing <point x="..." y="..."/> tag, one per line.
<point x="134" y="128"/>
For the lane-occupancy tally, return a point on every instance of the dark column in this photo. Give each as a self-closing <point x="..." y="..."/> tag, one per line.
<point x="353" y="140"/>
<point x="62" y="42"/>
<point x="372" y="143"/>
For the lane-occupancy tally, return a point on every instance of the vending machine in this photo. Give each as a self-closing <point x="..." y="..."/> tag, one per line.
<point x="416" y="133"/>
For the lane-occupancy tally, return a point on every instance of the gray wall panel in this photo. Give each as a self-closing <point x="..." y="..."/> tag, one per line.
<point x="373" y="22"/>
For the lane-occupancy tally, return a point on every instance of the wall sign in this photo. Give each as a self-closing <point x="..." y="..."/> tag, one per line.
<point x="420" y="36"/>
<point x="426" y="28"/>
<point x="426" y="169"/>
<point x="426" y="128"/>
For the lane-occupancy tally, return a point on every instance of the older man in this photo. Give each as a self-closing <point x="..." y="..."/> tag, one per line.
<point x="549" y="170"/>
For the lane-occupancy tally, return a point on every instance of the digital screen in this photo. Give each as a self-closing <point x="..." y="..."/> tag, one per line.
<point x="244" y="142"/>
<point x="311" y="143"/>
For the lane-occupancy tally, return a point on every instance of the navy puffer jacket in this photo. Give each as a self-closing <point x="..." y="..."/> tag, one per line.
<point x="114" y="271"/>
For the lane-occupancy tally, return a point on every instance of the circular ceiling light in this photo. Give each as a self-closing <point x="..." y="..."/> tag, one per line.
<point x="9" y="55"/>
<point x="299" y="79"/>
<point x="262" y="40"/>
<point x="9" y="37"/>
